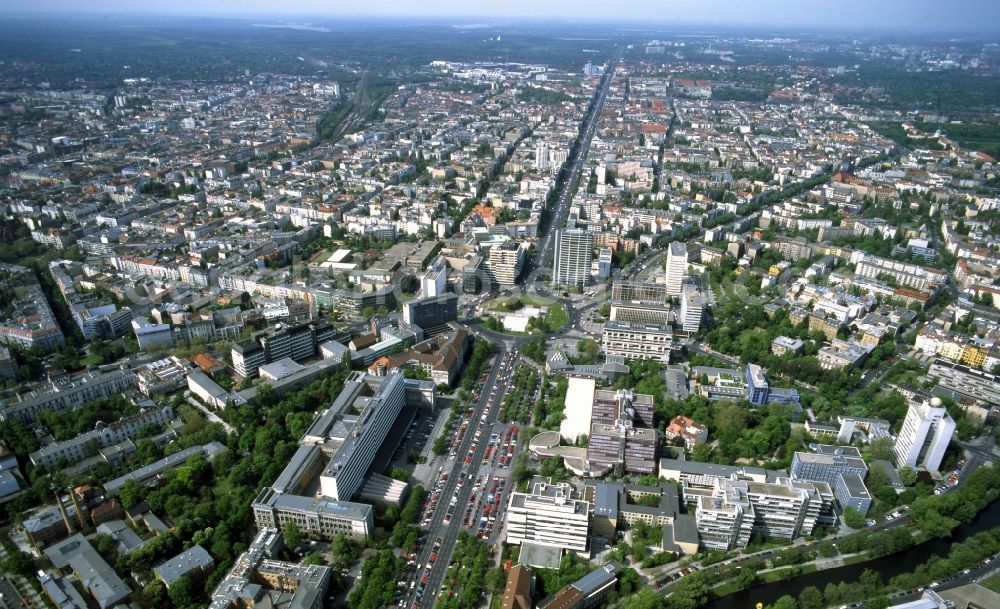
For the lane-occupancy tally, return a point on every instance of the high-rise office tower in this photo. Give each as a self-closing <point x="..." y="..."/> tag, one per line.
<point x="573" y="257"/>
<point x="676" y="267"/>
<point x="925" y="434"/>
<point x="692" y="308"/>
<point x="542" y="156"/>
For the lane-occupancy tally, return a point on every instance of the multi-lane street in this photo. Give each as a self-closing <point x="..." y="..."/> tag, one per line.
<point x="463" y="475"/>
<point x="543" y="254"/>
<point x="461" y="479"/>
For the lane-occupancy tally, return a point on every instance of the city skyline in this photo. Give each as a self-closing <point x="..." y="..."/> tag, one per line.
<point x="892" y="15"/>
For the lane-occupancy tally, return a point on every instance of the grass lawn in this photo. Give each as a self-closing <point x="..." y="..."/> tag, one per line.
<point x="993" y="583"/>
<point x="322" y="257"/>
<point x="556" y="314"/>
<point x="850" y="560"/>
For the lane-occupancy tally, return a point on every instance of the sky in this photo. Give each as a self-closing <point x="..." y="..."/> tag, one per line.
<point x="927" y="15"/>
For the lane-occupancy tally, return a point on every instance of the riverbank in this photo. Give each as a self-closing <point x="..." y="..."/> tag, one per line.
<point x="887" y="566"/>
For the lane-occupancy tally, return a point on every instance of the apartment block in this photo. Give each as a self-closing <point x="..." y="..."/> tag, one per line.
<point x="69" y="391"/>
<point x="87" y="444"/>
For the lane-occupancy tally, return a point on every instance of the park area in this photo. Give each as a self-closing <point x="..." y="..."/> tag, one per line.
<point x="525" y="315"/>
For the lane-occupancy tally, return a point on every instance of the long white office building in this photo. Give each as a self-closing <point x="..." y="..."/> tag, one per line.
<point x="548" y="515"/>
<point x="352" y="439"/>
<point x="637" y="340"/>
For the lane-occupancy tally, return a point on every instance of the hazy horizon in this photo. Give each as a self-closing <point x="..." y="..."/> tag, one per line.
<point x="976" y="16"/>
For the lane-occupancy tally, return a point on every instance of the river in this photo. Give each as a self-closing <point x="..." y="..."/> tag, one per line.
<point x="887" y="567"/>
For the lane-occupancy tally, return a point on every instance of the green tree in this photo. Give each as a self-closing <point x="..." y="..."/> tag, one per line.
<point x="853" y="518"/>
<point x="879" y="602"/>
<point x="155" y="594"/>
<point x="907" y="475"/>
<point x="785" y="602"/>
<point x="293" y="535"/>
<point x="18" y="562"/>
<point x="880" y="448"/>
<point x="496" y="580"/>
<point x="183" y="593"/>
<point x="811" y="598"/>
<point x="644" y="599"/>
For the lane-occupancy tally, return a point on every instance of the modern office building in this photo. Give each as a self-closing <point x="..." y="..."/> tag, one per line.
<point x="827" y="463"/>
<point x="604" y="260"/>
<point x="473" y="274"/>
<point x="628" y="291"/>
<point x="637" y="340"/>
<point x="677" y="260"/>
<point x="247" y="357"/>
<point x="964" y="381"/>
<point x="297" y="342"/>
<point x="548" y="515"/>
<point x="574" y="256"/>
<point x="335" y="454"/>
<point x="432" y="313"/>
<point x="924" y="436"/>
<point x="152" y="336"/>
<point x="618" y="438"/>
<point x="505" y="263"/>
<point x="839" y="466"/>
<point x="609" y="404"/>
<point x="105" y="322"/>
<point x="355" y="427"/>
<point x="693" y="305"/>
<point x="758" y="390"/>
<point x="736" y="509"/>
<point x="435" y="279"/>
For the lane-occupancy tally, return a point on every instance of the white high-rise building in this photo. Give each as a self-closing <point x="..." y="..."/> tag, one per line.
<point x="677" y="260"/>
<point x="542" y="156"/>
<point x="692" y="308"/>
<point x="574" y="255"/>
<point x="435" y="279"/>
<point x="505" y="262"/>
<point x="925" y="434"/>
